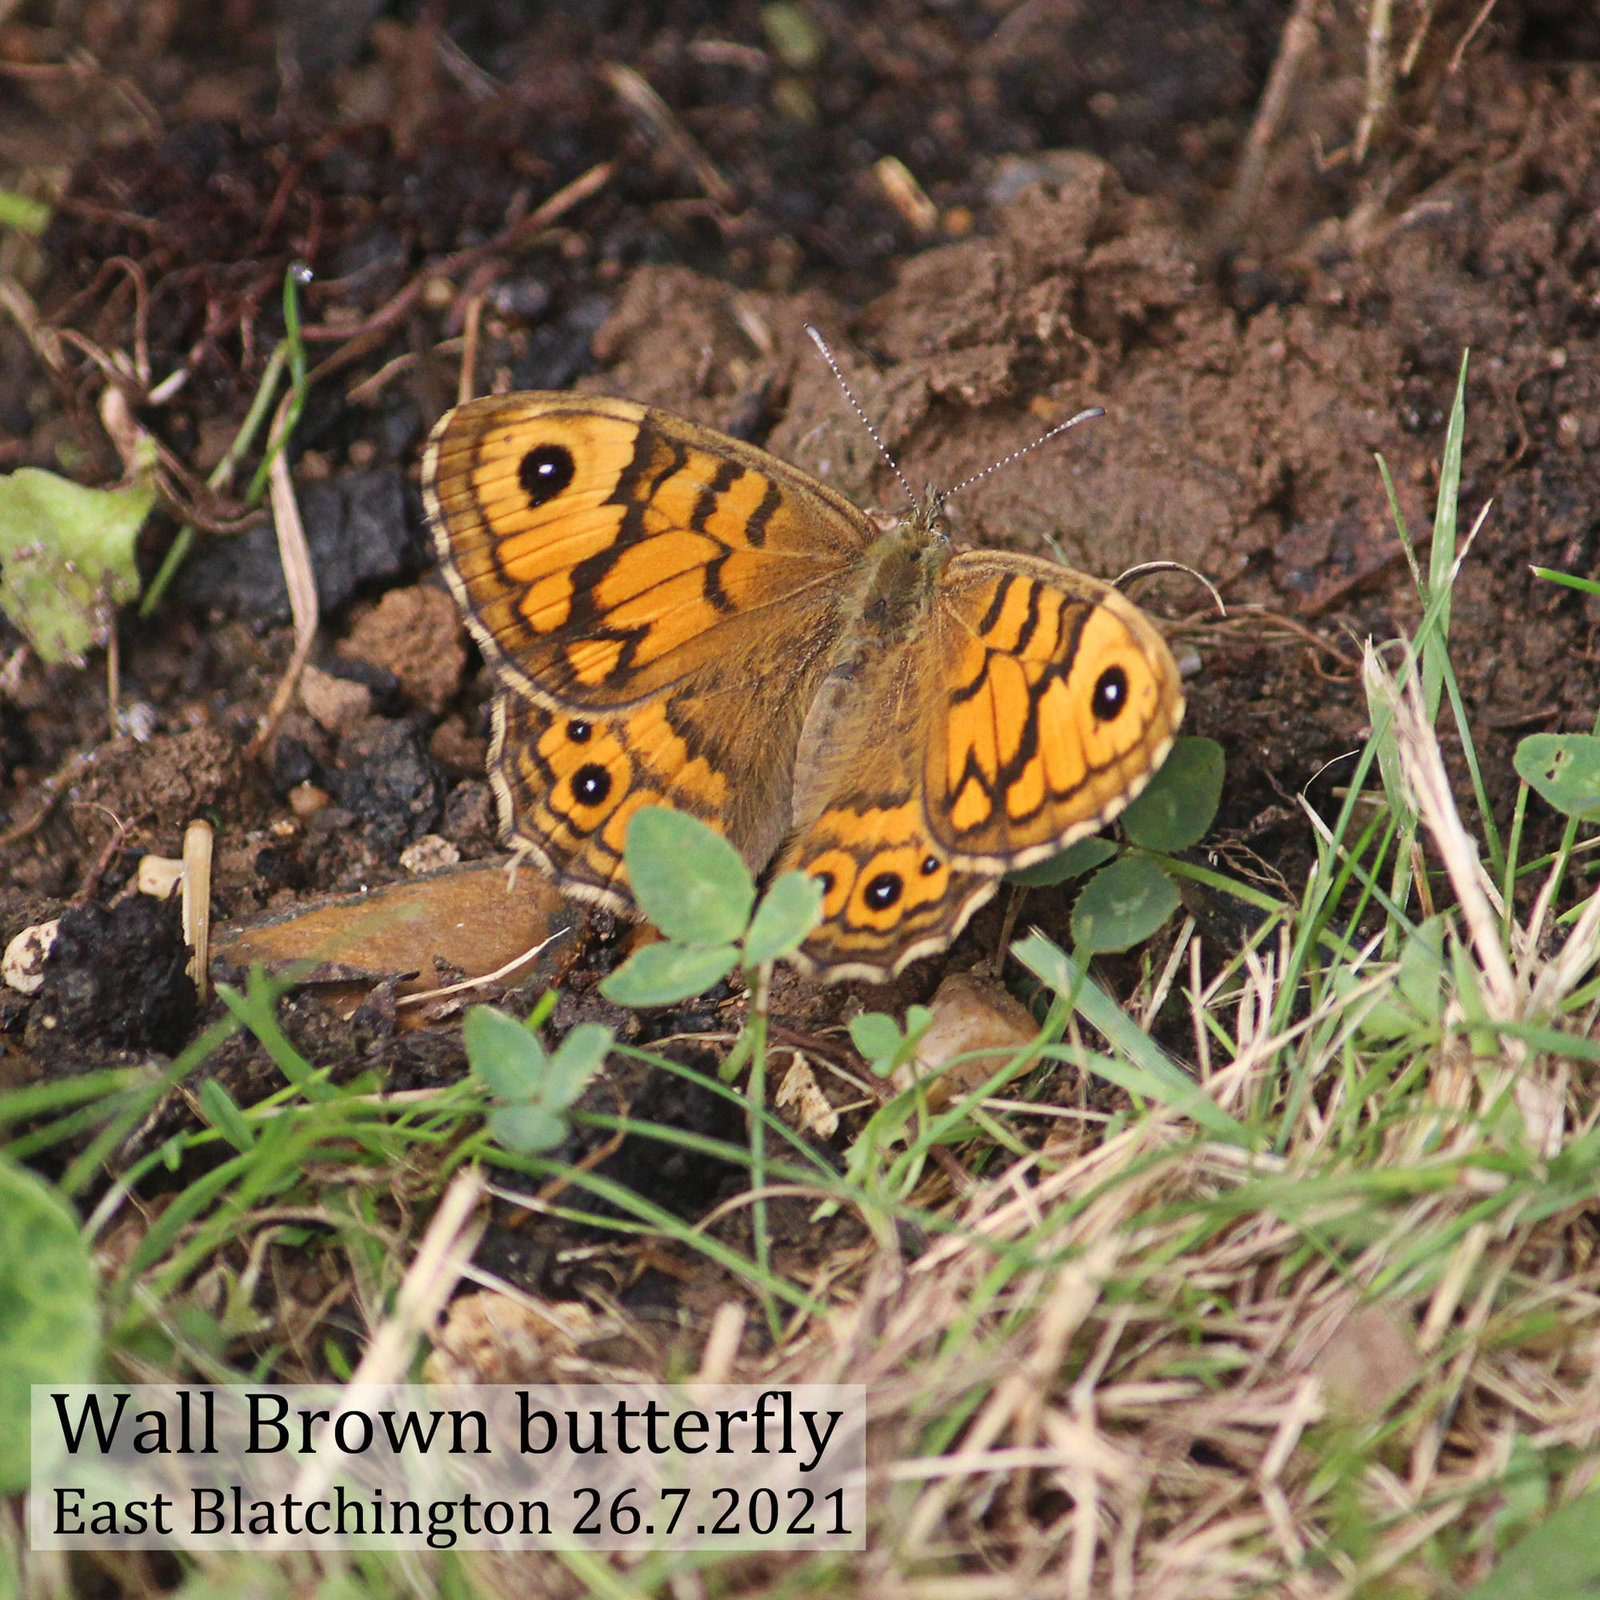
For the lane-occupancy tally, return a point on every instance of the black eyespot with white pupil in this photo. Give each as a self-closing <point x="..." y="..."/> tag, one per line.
<point x="591" y="785"/>
<point x="930" y="865"/>
<point x="1110" y="696"/>
<point x="578" y="732"/>
<point x="545" y="471"/>
<point x="883" y="891"/>
<point x="826" y="880"/>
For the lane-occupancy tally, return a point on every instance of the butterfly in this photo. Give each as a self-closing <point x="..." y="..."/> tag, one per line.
<point x="678" y="618"/>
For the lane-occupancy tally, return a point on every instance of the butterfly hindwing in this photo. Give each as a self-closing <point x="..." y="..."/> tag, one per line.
<point x="1057" y="700"/>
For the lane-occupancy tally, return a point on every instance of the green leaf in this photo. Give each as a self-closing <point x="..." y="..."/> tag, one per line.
<point x="1181" y="800"/>
<point x="1123" y="904"/>
<point x="578" y="1057"/>
<point x="1563" y="768"/>
<point x="688" y="880"/>
<point x="1559" y="1560"/>
<point x="23" y="213"/>
<point x="1434" y="641"/>
<point x="789" y="910"/>
<point x="794" y="34"/>
<point x="1073" y="862"/>
<point x="531" y="1087"/>
<point x="504" y="1057"/>
<point x="1570" y="579"/>
<point x="662" y="974"/>
<point x="49" y="1317"/>
<point x="67" y="558"/>
<point x="525" y="1128"/>
<point x="877" y="1036"/>
<point x="221" y="1110"/>
<point x="881" y="1041"/>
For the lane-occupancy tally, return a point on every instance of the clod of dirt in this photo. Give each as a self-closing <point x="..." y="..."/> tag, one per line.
<point x="337" y="704"/>
<point x="114" y="979"/>
<point x="428" y="854"/>
<point x="416" y="635"/>
<point x="167" y="779"/>
<point x="469" y="817"/>
<point x="293" y="764"/>
<point x="460" y="753"/>
<point x="359" y="531"/>
<point x="977" y="1026"/>
<point x="390" y="782"/>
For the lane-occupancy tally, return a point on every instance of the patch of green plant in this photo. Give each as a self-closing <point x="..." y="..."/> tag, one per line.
<point x="288" y="355"/>
<point x="531" y="1087"/>
<point x="884" y="1044"/>
<point x="67" y="558"/>
<point x="49" y="1307"/>
<point x="694" y="886"/>
<point x="1140" y="1066"/>
<point x="1132" y="891"/>
<point x="1559" y="1560"/>
<point x="23" y="213"/>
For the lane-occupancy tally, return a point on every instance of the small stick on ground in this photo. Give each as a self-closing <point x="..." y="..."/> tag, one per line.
<point x="1460" y="51"/>
<point x="113" y="675"/>
<point x="51" y="790"/>
<point x="355" y="343"/>
<point x="1299" y="34"/>
<point x="119" y="836"/>
<point x="660" y="124"/>
<point x="467" y="385"/>
<point x="196" y="903"/>
<point x="302" y="585"/>
<point x="1380" y="77"/>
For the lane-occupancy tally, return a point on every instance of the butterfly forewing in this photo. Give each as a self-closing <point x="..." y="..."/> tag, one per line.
<point x="603" y="552"/>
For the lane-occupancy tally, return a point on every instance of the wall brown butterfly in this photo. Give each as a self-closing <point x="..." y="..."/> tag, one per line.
<point x="677" y="618"/>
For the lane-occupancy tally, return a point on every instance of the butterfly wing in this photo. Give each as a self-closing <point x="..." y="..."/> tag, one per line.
<point x="603" y="551"/>
<point x="658" y="603"/>
<point x="568" y="786"/>
<point x="1058" y="700"/>
<point x="1034" y="707"/>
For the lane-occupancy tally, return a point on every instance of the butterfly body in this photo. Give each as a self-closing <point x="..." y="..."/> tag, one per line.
<point x="678" y="618"/>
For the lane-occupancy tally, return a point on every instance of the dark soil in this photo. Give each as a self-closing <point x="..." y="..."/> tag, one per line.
<point x="1079" y="240"/>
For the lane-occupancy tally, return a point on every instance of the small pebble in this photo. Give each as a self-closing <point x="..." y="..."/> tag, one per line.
<point x="429" y="853"/>
<point x="22" y="966"/>
<point x="159" y="875"/>
<point x="972" y="1017"/>
<point x="306" y="799"/>
<point x="338" y="704"/>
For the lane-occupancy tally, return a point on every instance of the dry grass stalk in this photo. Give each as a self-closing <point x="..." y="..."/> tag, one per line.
<point x="1168" y="1367"/>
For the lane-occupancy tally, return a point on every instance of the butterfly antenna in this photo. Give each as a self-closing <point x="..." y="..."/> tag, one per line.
<point x="1005" y="461"/>
<point x="866" y="421"/>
